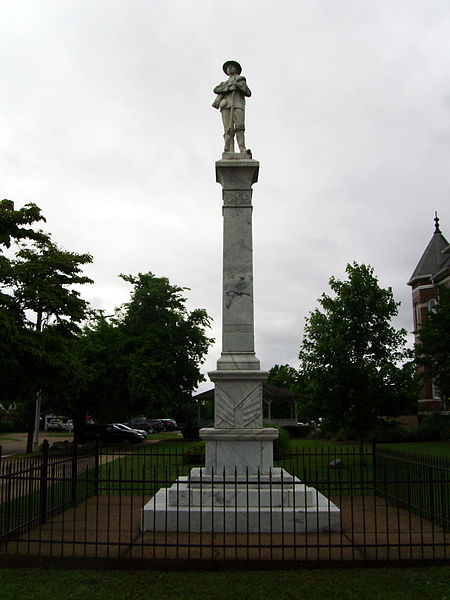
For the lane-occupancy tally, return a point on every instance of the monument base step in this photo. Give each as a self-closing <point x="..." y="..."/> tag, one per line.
<point x="211" y="504"/>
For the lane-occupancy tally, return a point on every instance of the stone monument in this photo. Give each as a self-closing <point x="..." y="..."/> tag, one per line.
<point x="239" y="489"/>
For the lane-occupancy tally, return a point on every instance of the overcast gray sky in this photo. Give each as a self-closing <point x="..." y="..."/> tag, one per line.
<point x="106" y="124"/>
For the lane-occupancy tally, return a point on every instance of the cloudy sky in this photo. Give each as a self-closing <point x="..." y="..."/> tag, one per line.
<point x="106" y="124"/>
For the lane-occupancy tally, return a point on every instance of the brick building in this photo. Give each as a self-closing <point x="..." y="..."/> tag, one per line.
<point x="432" y="271"/>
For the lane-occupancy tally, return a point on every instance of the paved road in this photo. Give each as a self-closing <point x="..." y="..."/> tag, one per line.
<point x="16" y="443"/>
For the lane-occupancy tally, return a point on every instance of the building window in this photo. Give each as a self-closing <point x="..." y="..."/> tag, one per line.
<point x="432" y="305"/>
<point x="417" y="315"/>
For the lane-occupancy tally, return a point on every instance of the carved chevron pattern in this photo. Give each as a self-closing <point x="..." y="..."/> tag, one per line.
<point x="240" y="412"/>
<point x="250" y="407"/>
<point x="224" y="408"/>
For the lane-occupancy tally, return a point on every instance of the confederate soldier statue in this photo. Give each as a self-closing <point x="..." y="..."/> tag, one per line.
<point x="231" y="101"/>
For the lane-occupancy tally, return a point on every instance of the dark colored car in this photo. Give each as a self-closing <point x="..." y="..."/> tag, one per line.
<point x="169" y="424"/>
<point x="124" y="427"/>
<point x="110" y="434"/>
<point x="141" y="423"/>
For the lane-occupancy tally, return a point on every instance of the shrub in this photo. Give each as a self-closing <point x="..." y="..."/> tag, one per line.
<point x="190" y="432"/>
<point x="6" y="426"/>
<point x="344" y="434"/>
<point x="195" y="455"/>
<point x="435" y="427"/>
<point x="388" y="432"/>
<point x="282" y="444"/>
<point x="298" y="431"/>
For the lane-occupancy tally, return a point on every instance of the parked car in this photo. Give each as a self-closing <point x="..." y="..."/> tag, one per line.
<point x="124" y="427"/>
<point x="141" y="423"/>
<point x="58" y="424"/>
<point x="169" y="424"/>
<point x="157" y="425"/>
<point x="111" y="434"/>
<point x="55" y="425"/>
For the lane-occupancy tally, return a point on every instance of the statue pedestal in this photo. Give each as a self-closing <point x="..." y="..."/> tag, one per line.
<point x="272" y="503"/>
<point x="239" y="490"/>
<point x="239" y="452"/>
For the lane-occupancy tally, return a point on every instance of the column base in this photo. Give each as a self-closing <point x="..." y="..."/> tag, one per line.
<point x="273" y="503"/>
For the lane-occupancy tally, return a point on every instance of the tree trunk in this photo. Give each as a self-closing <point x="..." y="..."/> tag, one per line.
<point x="79" y="420"/>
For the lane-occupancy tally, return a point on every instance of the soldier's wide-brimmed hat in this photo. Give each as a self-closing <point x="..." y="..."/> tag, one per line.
<point x="232" y="62"/>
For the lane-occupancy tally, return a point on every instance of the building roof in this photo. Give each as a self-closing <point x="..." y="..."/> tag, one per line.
<point x="435" y="260"/>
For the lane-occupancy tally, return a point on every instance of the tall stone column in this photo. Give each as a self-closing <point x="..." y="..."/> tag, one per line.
<point x="238" y="442"/>
<point x="238" y="346"/>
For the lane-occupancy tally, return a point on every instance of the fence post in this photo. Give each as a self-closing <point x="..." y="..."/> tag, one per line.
<point x="96" y="468"/>
<point x="374" y="465"/>
<point x="74" y="473"/>
<point x="43" y="483"/>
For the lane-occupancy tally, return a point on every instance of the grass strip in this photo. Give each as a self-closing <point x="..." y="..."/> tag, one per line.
<point x="426" y="583"/>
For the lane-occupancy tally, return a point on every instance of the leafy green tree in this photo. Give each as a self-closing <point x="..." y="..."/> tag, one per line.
<point x="16" y="226"/>
<point x="43" y="277"/>
<point x="284" y="376"/>
<point x="146" y="359"/>
<point x="354" y="362"/>
<point x="433" y="348"/>
<point x="40" y="310"/>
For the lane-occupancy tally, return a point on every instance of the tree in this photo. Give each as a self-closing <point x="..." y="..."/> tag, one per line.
<point x="13" y="224"/>
<point x="15" y="227"/>
<point x="433" y="348"/>
<point x="279" y="405"/>
<point x="146" y="359"/>
<point x="354" y="362"/>
<point x="40" y="310"/>
<point x="286" y="377"/>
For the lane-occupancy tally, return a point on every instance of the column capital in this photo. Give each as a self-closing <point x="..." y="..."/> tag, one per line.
<point x="237" y="174"/>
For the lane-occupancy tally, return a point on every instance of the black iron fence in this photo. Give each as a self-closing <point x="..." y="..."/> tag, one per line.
<point x="374" y="505"/>
<point x="418" y="482"/>
<point x="35" y="488"/>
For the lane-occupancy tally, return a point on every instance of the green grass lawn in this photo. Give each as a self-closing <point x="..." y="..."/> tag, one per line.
<point x="309" y="460"/>
<point x="166" y="435"/>
<point x="433" y="448"/>
<point x="426" y="583"/>
<point x="144" y="470"/>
